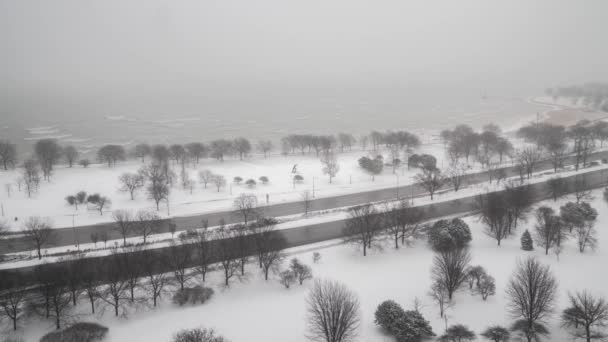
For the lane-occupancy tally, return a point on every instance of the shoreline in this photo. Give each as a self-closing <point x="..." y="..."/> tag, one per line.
<point x="559" y="114"/>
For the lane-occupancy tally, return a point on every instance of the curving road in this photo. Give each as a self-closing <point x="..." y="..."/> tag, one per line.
<point x="67" y="236"/>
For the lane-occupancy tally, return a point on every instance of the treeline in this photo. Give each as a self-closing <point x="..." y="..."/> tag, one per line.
<point x="594" y="95"/>
<point x="133" y="276"/>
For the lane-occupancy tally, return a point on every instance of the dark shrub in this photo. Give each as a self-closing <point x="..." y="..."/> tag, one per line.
<point x="192" y="295"/>
<point x="449" y="234"/>
<point x="406" y="326"/>
<point x="412" y="327"/>
<point x="527" y="244"/>
<point x="78" y="332"/>
<point x="457" y="333"/>
<point x="197" y="335"/>
<point x="387" y="313"/>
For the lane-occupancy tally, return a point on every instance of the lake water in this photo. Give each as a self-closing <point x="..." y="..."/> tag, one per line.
<point x="259" y="115"/>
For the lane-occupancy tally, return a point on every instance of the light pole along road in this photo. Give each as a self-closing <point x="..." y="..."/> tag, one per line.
<point x="67" y="236"/>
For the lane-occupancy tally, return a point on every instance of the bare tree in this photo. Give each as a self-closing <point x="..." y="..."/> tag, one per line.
<point x="495" y="213"/>
<point x="8" y="154"/>
<point x="157" y="281"/>
<point x="528" y="158"/>
<point x="287" y="278"/>
<point x="301" y="271"/>
<point x="219" y="181"/>
<point x="159" y="177"/>
<point x="431" y="180"/>
<point x="243" y="244"/>
<point x="90" y="284"/>
<point x="580" y="218"/>
<point x="100" y="202"/>
<point x="177" y="153"/>
<point x="362" y="226"/>
<point x="401" y="221"/>
<point x="147" y="223"/>
<point x="141" y="151"/>
<point x="227" y="253"/>
<point x="179" y="259"/>
<point x="246" y="206"/>
<point x="131" y="182"/>
<point x="158" y="192"/>
<point x="116" y="291"/>
<point x="30" y="176"/>
<point x="547" y="224"/>
<point x="124" y="223"/>
<point x="72" y="275"/>
<point x="330" y="164"/>
<point x="439" y="295"/>
<point x="531" y="293"/>
<point x="205" y="176"/>
<point x="202" y="246"/>
<point x="586" y="317"/>
<point x="265" y="146"/>
<point x="103" y="236"/>
<point x="449" y="269"/>
<point x="582" y="190"/>
<point x="71" y="154"/>
<point x="333" y="312"/>
<point x="39" y="232"/>
<point x="48" y="153"/>
<point x="346" y="140"/>
<point x="268" y="245"/>
<point x="196" y="151"/>
<point x="111" y="154"/>
<point x="132" y="267"/>
<point x="455" y="175"/>
<point x="13" y="301"/>
<point x="242" y="146"/>
<point x="581" y="135"/>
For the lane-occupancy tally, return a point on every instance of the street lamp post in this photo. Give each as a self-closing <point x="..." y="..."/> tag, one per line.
<point x="313" y="186"/>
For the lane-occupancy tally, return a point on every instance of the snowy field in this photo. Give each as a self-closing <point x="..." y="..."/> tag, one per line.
<point x="55" y="254"/>
<point x="99" y="178"/>
<point x="248" y="311"/>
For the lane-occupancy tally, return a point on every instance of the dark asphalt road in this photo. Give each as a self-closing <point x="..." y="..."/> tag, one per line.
<point x="317" y="232"/>
<point x="67" y="236"/>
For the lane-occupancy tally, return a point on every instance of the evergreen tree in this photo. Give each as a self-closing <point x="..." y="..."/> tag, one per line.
<point x="526" y="241"/>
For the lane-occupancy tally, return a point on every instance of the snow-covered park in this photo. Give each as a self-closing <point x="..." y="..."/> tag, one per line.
<point x="50" y="201"/>
<point x="248" y="311"/>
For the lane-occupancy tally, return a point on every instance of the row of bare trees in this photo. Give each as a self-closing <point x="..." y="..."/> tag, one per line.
<point x="135" y="276"/>
<point x="368" y="225"/>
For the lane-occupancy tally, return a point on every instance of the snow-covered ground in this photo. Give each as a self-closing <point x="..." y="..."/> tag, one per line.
<point x="255" y="310"/>
<point x="99" y="178"/>
<point x="54" y="254"/>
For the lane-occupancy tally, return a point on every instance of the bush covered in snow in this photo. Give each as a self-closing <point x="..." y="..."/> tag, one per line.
<point x="457" y="333"/>
<point x="406" y="326"/>
<point x="387" y="313"/>
<point x="449" y="234"/>
<point x="78" y="332"/>
<point x="197" y="335"/>
<point x="192" y="295"/>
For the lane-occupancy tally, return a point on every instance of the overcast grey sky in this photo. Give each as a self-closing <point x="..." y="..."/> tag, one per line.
<point x="143" y="48"/>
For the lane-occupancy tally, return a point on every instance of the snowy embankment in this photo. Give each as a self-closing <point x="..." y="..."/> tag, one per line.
<point x="55" y="254"/>
<point x="402" y="275"/>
